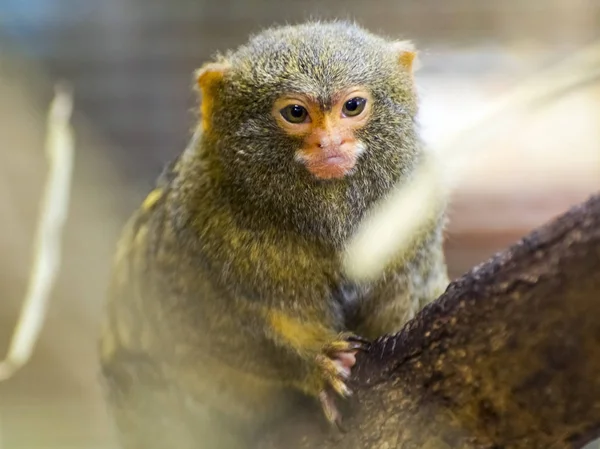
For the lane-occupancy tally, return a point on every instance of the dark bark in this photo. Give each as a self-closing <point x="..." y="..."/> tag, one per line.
<point x="508" y="357"/>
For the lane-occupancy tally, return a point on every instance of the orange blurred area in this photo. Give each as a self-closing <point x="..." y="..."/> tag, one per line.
<point x="131" y="62"/>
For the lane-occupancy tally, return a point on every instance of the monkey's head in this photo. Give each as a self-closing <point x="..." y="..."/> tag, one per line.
<point x="312" y="115"/>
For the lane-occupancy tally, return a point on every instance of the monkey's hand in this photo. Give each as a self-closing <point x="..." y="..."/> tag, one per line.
<point x="325" y="358"/>
<point x="335" y="362"/>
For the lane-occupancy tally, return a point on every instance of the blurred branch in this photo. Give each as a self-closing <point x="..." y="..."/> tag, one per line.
<point x="389" y="230"/>
<point x="508" y="357"/>
<point x="47" y="249"/>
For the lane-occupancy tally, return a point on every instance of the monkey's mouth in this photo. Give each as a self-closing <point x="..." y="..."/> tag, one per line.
<point x="331" y="166"/>
<point x="330" y="161"/>
<point x="335" y="159"/>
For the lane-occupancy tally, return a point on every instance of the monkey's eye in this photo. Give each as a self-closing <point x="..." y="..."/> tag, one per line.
<point x="354" y="106"/>
<point x="294" y="113"/>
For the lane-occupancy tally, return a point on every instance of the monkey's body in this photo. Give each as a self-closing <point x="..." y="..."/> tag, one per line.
<point x="228" y="292"/>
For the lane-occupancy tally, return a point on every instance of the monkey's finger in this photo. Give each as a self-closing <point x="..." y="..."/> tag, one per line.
<point x="339" y="346"/>
<point x="339" y="386"/>
<point x="360" y="345"/>
<point x="346" y="360"/>
<point x="359" y="342"/>
<point x="333" y="375"/>
<point x="331" y="412"/>
<point x="335" y="347"/>
<point x="358" y="339"/>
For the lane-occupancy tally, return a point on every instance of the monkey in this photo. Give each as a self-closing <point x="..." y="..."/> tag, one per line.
<point x="228" y="301"/>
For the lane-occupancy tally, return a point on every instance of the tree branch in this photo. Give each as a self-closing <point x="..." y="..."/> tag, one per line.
<point x="47" y="251"/>
<point x="508" y="357"/>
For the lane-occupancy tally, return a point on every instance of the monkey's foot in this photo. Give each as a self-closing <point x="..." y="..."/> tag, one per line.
<point x="335" y="362"/>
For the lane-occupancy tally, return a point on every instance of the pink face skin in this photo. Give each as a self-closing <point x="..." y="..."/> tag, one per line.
<point x="330" y="149"/>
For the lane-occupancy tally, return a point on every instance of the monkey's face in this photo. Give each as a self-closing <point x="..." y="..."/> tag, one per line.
<point x="305" y="118"/>
<point x="329" y="146"/>
<point x="323" y="99"/>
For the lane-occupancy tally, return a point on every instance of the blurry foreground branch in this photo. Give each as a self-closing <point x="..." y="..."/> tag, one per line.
<point x="390" y="229"/>
<point x="508" y="357"/>
<point x="46" y="256"/>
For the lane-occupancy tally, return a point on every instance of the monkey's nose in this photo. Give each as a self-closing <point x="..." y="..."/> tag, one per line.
<point x="331" y="141"/>
<point x="323" y="142"/>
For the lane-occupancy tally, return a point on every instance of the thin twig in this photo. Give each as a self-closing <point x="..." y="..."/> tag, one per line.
<point x="47" y="249"/>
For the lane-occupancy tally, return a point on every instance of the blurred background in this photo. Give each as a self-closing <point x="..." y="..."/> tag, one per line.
<point x="131" y="62"/>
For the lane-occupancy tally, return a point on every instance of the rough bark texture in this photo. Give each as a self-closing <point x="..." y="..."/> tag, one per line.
<point x="508" y="357"/>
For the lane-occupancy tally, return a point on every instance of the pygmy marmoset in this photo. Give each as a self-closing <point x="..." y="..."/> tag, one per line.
<point x="228" y="292"/>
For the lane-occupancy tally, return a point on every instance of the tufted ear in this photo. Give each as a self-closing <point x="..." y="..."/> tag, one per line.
<point x="208" y="77"/>
<point x="407" y="55"/>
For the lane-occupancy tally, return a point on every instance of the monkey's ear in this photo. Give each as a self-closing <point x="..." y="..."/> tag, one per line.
<point x="407" y="55"/>
<point x="208" y="77"/>
<point x="210" y="73"/>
